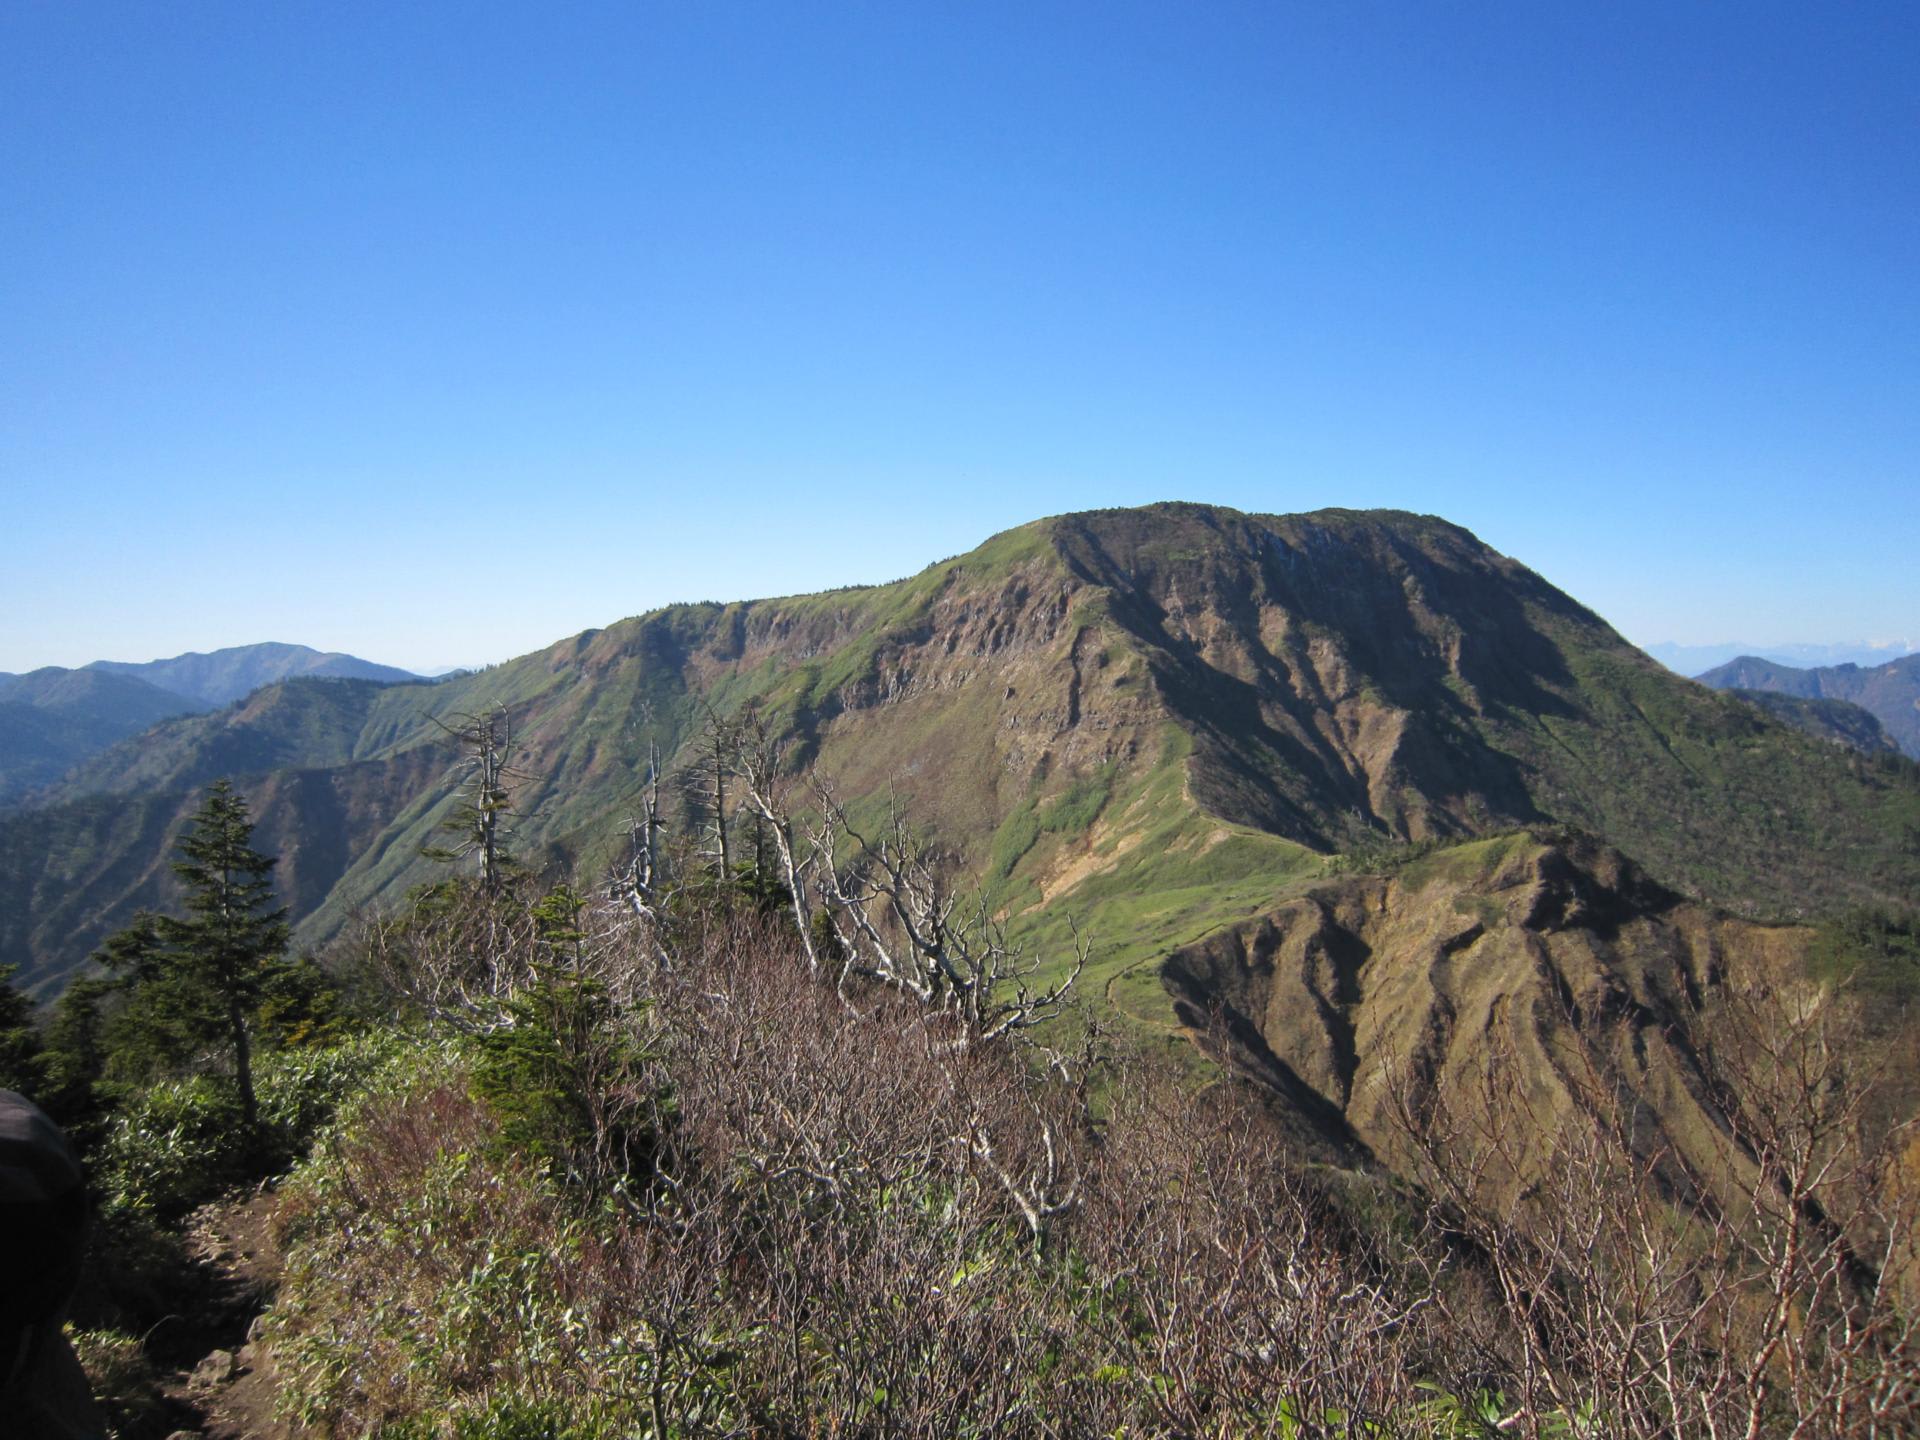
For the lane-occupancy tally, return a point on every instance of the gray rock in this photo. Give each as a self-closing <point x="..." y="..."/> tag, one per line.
<point x="218" y="1368"/>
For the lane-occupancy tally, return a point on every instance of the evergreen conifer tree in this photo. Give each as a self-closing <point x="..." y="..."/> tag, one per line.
<point x="224" y="954"/>
<point x="21" y="1063"/>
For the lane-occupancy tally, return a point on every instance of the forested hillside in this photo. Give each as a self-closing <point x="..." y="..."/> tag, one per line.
<point x="1890" y="692"/>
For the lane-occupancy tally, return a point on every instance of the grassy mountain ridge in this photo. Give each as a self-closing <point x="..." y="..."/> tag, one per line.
<point x="1161" y="719"/>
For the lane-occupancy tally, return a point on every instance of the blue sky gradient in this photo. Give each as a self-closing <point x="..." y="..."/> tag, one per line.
<point x="436" y="332"/>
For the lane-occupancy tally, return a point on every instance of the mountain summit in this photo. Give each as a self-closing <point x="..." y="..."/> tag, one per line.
<point x="224" y="676"/>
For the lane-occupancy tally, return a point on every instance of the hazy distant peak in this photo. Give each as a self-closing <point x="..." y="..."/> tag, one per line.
<point x="1696" y="660"/>
<point x="220" y="677"/>
<point x="1889" y="691"/>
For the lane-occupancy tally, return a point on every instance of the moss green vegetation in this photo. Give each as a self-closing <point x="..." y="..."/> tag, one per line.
<point x="1875" y="951"/>
<point x="1159" y="876"/>
<point x="1718" y="800"/>
<point x="1840" y="721"/>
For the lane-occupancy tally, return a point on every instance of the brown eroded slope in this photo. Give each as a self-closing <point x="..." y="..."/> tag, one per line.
<point x="1544" y="967"/>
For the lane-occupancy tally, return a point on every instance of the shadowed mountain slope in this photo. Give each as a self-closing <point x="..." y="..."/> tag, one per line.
<point x="1840" y="721"/>
<point x="1161" y="720"/>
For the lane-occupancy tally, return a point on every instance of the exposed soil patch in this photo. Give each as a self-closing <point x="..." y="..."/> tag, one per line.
<point x="219" y="1373"/>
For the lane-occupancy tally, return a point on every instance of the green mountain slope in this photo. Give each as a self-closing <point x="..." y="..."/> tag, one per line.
<point x="1162" y="721"/>
<point x="296" y="723"/>
<point x="1841" y="721"/>
<point x="55" y="719"/>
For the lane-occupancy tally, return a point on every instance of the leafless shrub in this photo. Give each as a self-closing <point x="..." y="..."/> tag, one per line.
<point x="1741" y="1285"/>
<point x="455" y="954"/>
<point x="1253" y="1307"/>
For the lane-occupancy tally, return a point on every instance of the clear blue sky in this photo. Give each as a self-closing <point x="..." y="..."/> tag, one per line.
<point x="437" y="332"/>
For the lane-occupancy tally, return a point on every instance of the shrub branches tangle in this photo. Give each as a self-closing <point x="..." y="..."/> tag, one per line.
<point x="813" y="1238"/>
<point x="877" y="905"/>
<point x="781" y="1218"/>
<point x="1758" y="1281"/>
<point x="776" y="1148"/>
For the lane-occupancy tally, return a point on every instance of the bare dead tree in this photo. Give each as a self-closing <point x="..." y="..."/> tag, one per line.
<point x="644" y="833"/>
<point x="768" y="789"/>
<point x="455" y="955"/>
<point x="641" y="888"/>
<point x="716" y="761"/>
<point x="897" y="922"/>
<point x="885" y="902"/>
<point x="483" y="774"/>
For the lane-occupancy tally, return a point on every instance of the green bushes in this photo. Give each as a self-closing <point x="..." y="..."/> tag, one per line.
<point x="1017" y="834"/>
<point x="568" y="1079"/>
<point x="180" y="1143"/>
<point x="126" y="1386"/>
<point x="432" y="1274"/>
<point x="1071" y="812"/>
<point x="1074" y="809"/>
<point x="1876" y="950"/>
<point x="174" y="1146"/>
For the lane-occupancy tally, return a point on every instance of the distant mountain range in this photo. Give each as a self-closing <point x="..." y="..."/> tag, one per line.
<point x="1890" y="693"/>
<point x="54" y="718"/>
<point x="223" y="676"/>
<point x="1696" y="660"/>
